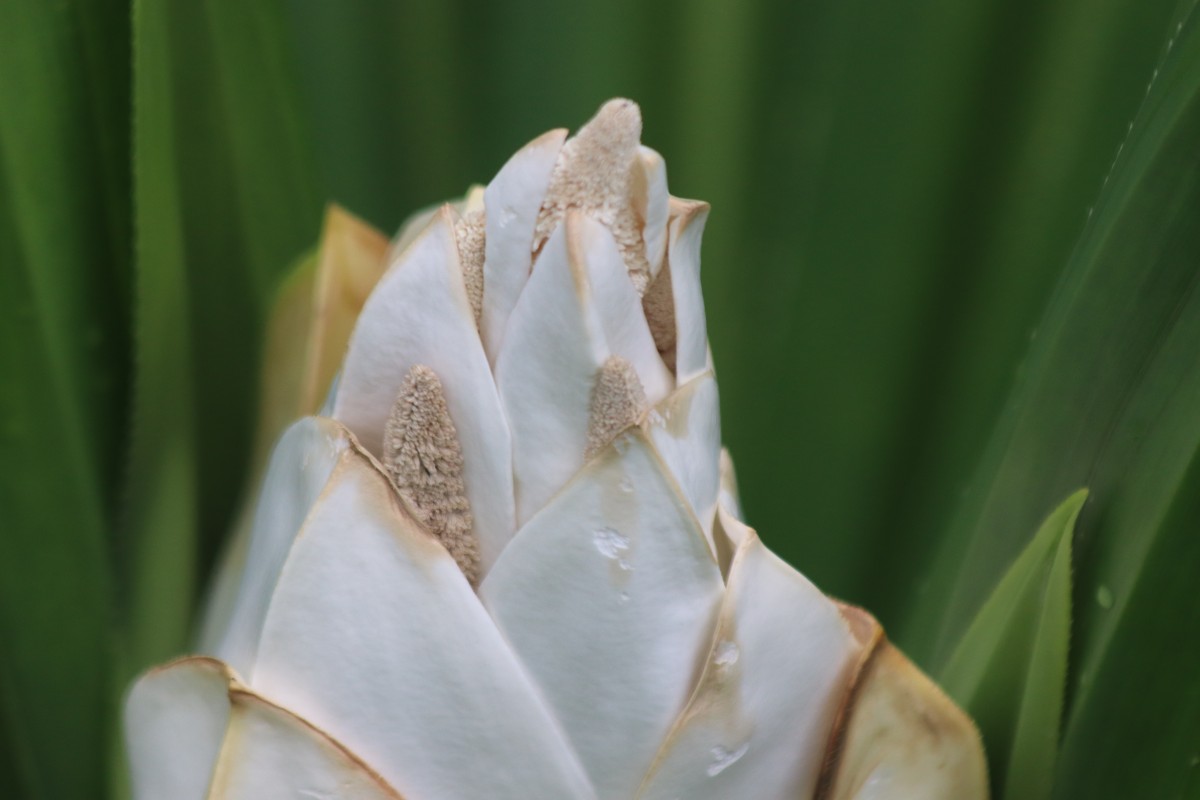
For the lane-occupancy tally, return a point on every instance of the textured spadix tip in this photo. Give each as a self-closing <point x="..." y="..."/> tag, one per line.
<point x="618" y="402"/>
<point x="469" y="234"/>
<point x="599" y="171"/>
<point x="424" y="459"/>
<point x="617" y="125"/>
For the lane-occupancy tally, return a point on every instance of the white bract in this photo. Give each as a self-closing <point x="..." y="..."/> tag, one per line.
<point x="507" y="562"/>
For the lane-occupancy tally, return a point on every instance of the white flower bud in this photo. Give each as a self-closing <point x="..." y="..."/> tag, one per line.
<point x="508" y="561"/>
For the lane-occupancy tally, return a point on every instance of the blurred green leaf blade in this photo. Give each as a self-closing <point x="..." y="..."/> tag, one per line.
<point x="64" y="237"/>
<point x="160" y="511"/>
<point x="1135" y="728"/>
<point x="911" y="206"/>
<point x="1010" y="669"/>
<point x="1106" y="392"/>
<point x="1108" y="397"/>
<point x="225" y="200"/>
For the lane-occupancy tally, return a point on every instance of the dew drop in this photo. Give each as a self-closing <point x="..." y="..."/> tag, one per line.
<point x="626" y="486"/>
<point x="723" y="758"/>
<point x="726" y="655"/>
<point x="1104" y="597"/>
<point x="612" y="545"/>
<point x="655" y="419"/>
<point x="878" y="784"/>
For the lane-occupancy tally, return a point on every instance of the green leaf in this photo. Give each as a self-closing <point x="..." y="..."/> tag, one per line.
<point x="1135" y="730"/>
<point x="895" y="191"/>
<point x="160" y="513"/>
<point x="225" y="200"/>
<point x="1108" y="397"/>
<point x="411" y="103"/>
<point x="63" y="314"/>
<point x="389" y="86"/>
<point x="1010" y="669"/>
<point x="1108" y="393"/>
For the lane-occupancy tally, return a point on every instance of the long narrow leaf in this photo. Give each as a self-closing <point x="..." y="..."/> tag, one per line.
<point x="225" y="201"/>
<point x="63" y="236"/>
<point x="1136" y="724"/>
<point x="1010" y="669"/>
<point x="160" y="521"/>
<point x="918" y="174"/>
<point x="1110" y="398"/>
<point x="1108" y="394"/>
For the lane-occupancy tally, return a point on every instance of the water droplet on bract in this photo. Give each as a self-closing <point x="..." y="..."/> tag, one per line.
<point x="726" y="655"/>
<point x="723" y="758"/>
<point x="623" y="597"/>
<point x="626" y="486"/>
<point x="656" y="419"/>
<point x="612" y="545"/>
<point x="1104" y="597"/>
<point x="878" y="784"/>
<point x="505" y="216"/>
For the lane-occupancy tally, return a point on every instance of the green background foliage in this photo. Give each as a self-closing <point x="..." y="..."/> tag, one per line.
<point x="951" y="275"/>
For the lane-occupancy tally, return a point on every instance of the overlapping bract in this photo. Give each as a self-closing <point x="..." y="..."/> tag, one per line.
<point x="507" y="562"/>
